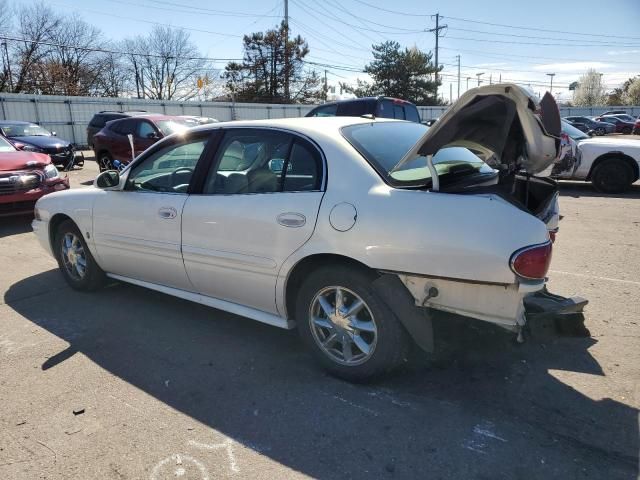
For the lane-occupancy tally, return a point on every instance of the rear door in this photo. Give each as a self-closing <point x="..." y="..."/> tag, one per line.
<point x="258" y="205"/>
<point x="120" y="146"/>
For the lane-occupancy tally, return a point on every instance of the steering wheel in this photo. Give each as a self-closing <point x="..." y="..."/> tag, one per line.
<point x="174" y="178"/>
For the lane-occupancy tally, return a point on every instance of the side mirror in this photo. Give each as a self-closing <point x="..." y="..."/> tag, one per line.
<point x="152" y="135"/>
<point x="108" y="179"/>
<point x="54" y="134"/>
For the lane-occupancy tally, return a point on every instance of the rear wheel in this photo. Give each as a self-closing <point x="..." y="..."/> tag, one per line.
<point x="613" y="175"/>
<point x="347" y="326"/>
<point x="76" y="263"/>
<point x="626" y="130"/>
<point x="600" y="131"/>
<point x="105" y="161"/>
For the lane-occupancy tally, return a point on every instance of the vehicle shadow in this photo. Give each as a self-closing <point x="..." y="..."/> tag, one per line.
<point x="256" y="385"/>
<point x="586" y="189"/>
<point x="14" y="225"/>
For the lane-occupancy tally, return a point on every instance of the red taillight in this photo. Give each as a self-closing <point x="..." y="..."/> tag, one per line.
<point x="532" y="262"/>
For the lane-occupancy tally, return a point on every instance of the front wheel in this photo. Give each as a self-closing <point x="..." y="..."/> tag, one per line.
<point x="347" y="326"/>
<point x="600" y="131"/>
<point x="626" y="130"/>
<point x="612" y="176"/>
<point x="76" y="263"/>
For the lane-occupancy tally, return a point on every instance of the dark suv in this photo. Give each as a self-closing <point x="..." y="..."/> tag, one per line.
<point x="112" y="142"/>
<point x="382" y="107"/>
<point x="100" y="119"/>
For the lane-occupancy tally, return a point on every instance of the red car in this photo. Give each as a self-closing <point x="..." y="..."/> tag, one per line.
<point x="112" y="142"/>
<point x="623" y="125"/>
<point x="24" y="178"/>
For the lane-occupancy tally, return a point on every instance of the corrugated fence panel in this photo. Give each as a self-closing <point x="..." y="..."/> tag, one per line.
<point x="69" y="116"/>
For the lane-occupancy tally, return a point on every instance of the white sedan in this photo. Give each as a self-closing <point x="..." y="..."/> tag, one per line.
<point x="355" y="230"/>
<point x="611" y="163"/>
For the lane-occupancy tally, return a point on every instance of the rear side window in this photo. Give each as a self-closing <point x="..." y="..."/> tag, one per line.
<point x="325" y="111"/>
<point x="304" y="169"/>
<point x="97" y="121"/>
<point x="124" y="127"/>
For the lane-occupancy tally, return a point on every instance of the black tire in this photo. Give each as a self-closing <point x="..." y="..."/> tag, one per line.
<point x="600" y="131"/>
<point x="613" y="175"/>
<point x="626" y="130"/>
<point x="392" y="341"/>
<point x="105" y="161"/>
<point x="93" y="277"/>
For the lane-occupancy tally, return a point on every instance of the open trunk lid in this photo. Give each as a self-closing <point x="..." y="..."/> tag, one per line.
<point x="506" y="121"/>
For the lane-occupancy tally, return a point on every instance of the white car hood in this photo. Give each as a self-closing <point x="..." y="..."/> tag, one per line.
<point x="503" y="118"/>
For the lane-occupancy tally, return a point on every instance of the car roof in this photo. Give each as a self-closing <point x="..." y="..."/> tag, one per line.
<point x="306" y="125"/>
<point x="15" y="122"/>
<point x="150" y="116"/>
<point x="364" y="99"/>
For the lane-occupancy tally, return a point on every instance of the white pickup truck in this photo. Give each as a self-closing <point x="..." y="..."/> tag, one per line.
<point x="610" y="163"/>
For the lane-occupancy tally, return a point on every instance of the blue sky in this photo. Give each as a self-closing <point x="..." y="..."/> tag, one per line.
<point x="544" y="36"/>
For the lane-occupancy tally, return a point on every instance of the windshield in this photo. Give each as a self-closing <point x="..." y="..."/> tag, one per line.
<point x="384" y="144"/>
<point x="24" y="130"/>
<point x="6" y="146"/>
<point x="167" y="127"/>
<point x="572" y="131"/>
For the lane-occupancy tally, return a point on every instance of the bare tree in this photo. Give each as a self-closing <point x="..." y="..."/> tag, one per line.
<point x="6" y="20"/>
<point x="36" y="24"/>
<point x="166" y="64"/>
<point x="590" y="91"/>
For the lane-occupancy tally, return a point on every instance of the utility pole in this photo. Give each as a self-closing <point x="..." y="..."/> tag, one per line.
<point x="437" y="32"/>
<point x="6" y="51"/>
<point x="468" y="82"/>
<point x="491" y="79"/>
<point x="451" y="93"/>
<point x="551" y="86"/>
<point x="326" y="87"/>
<point x="458" y="57"/>
<point x="479" y="75"/>
<point x="286" y="50"/>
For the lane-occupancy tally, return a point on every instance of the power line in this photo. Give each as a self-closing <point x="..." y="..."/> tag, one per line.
<point x="114" y="52"/>
<point x="223" y="13"/>
<point x="502" y="34"/>
<point x="501" y="56"/>
<point x="396" y="12"/>
<point x="590" y="34"/>
<point x="361" y="20"/>
<point x="511" y="42"/>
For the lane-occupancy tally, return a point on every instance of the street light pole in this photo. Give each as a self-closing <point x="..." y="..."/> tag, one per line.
<point x="551" y="85"/>
<point x="479" y="75"/>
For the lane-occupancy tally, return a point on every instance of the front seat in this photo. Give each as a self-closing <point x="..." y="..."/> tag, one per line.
<point x="262" y="180"/>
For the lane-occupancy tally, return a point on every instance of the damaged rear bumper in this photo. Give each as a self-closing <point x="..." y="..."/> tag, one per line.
<point x="417" y="301"/>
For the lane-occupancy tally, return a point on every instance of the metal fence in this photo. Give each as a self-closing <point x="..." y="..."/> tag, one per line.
<point x="69" y="116"/>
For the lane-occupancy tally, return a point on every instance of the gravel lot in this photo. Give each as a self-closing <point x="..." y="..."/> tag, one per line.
<point x="127" y="383"/>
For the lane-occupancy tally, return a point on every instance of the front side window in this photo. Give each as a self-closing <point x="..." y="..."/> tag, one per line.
<point x="6" y="146"/>
<point x="146" y="130"/>
<point x="263" y="161"/>
<point x="167" y="170"/>
<point x="325" y="111"/>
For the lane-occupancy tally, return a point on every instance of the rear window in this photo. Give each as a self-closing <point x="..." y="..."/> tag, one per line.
<point x="384" y="144"/>
<point x="357" y="108"/>
<point x="411" y="113"/>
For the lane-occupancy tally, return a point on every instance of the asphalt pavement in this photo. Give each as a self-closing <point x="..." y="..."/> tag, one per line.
<point x="127" y="383"/>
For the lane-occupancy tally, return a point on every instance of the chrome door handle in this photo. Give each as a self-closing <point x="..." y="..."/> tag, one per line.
<point x="291" y="219"/>
<point x="167" y="212"/>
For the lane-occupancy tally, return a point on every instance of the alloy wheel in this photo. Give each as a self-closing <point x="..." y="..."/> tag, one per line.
<point x="73" y="256"/>
<point x="343" y="326"/>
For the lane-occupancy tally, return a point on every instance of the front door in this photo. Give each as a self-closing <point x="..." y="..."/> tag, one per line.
<point x="258" y="205"/>
<point x="137" y="229"/>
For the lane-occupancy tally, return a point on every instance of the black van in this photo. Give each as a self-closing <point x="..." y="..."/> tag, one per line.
<point x="383" y="107"/>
